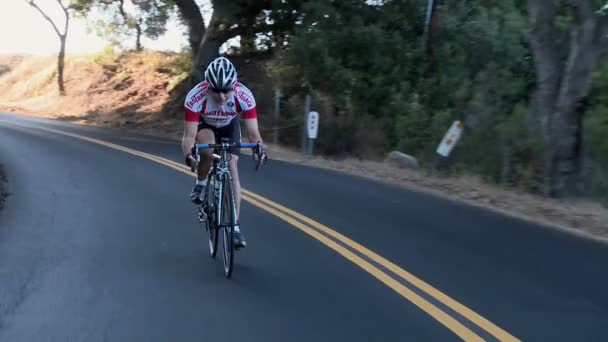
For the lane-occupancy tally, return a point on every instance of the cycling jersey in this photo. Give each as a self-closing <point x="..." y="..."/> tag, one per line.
<point x="201" y="108"/>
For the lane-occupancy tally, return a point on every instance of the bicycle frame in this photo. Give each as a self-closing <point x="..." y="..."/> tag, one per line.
<point x="211" y="210"/>
<point x="219" y="167"/>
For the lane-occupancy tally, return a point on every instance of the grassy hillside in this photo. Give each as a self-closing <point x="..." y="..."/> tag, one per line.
<point x="135" y="89"/>
<point x="123" y="90"/>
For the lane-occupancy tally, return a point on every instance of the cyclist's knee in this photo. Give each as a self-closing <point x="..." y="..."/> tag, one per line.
<point x="233" y="162"/>
<point x="206" y="154"/>
<point x="205" y="136"/>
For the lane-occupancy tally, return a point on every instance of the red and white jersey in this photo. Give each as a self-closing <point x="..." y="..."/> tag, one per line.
<point x="200" y="107"/>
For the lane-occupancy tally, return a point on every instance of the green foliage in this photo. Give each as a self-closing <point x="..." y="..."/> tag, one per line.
<point x="179" y="67"/>
<point x="120" y="22"/>
<point x="107" y="56"/>
<point x="80" y="8"/>
<point x="595" y="132"/>
<point x="513" y="128"/>
<point x="413" y="125"/>
<point x="368" y="61"/>
<point x="153" y="16"/>
<point x="366" y="64"/>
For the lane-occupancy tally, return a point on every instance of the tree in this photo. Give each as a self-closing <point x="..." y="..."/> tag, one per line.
<point x="568" y="40"/>
<point x="205" y="42"/>
<point x="229" y="19"/>
<point x="249" y="19"/>
<point x="133" y="17"/>
<point x="66" y="6"/>
<point x="431" y="31"/>
<point x="191" y="15"/>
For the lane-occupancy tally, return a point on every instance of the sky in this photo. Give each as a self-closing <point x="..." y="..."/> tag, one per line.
<point x="24" y="30"/>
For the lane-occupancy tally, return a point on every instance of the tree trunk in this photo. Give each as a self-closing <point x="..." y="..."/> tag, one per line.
<point x="548" y="69"/>
<point x="191" y="14"/>
<point x="61" y="64"/>
<point x="567" y="122"/>
<point x="563" y="86"/>
<point x="210" y="46"/>
<point x="431" y="41"/>
<point x="217" y="34"/>
<point x="505" y="172"/>
<point x="62" y="39"/>
<point x="138" y="46"/>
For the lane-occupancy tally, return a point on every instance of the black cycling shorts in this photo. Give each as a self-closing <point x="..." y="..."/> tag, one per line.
<point x="232" y="131"/>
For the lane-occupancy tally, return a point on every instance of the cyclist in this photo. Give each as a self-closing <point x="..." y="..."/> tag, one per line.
<point x="211" y="110"/>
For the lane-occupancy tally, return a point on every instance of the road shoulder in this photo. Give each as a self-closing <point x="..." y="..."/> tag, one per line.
<point x="3" y="192"/>
<point x="579" y="217"/>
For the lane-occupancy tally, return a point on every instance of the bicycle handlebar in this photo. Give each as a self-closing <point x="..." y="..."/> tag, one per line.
<point x="224" y="146"/>
<point x="227" y="145"/>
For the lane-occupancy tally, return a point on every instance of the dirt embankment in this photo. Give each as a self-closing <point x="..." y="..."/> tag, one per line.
<point x="126" y="91"/>
<point x="142" y="91"/>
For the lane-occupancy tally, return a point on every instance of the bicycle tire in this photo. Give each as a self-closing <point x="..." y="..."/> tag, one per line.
<point x="211" y="222"/>
<point x="228" y="221"/>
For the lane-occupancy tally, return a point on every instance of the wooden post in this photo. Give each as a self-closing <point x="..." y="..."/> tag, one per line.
<point x="277" y="108"/>
<point x="304" y="131"/>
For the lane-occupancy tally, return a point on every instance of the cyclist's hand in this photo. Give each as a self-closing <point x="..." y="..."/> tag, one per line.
<point x="259" y="155"/>
<point x="263" y="157"/>
<point x="191" y="161"/>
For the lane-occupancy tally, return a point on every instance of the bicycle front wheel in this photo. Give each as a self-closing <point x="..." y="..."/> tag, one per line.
<point x="212" y="219"/>
<point x="228" y="221"/>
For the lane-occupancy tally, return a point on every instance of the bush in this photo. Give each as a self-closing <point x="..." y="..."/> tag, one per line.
<point x="107" y="56"/>
<point x="179" y="68"/>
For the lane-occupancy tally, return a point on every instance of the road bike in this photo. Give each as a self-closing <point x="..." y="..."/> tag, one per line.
<point x="217" y="210"/>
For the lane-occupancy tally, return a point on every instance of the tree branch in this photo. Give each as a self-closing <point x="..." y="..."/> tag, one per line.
<point x="601" y="32"/>
<point x="231" y="32"/>
<point x="191" y="14"/>
<point x="582" y="58"/>
<point x="67" y="15"/>
<point x="543" y="37"/>
<point x="33" y="4"/>
<point x="65" y="8"/>
<point x="121" y="9"/>
<point x="584" y="10"/>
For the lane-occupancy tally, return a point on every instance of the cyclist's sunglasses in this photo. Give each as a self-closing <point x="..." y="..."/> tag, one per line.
<point x="223" y="91"/>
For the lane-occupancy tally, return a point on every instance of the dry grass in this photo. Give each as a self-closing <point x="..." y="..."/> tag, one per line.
<point x="129" y="85"/>
<point x="131" y="91"/>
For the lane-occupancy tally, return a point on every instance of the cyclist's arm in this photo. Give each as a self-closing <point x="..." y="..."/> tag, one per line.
<point x="253" y="131"/>
<point x="189" y="136"/>
<point x="192" y="108"/>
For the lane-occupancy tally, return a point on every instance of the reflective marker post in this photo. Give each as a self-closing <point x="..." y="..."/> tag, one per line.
<point x="305" y="130"/>
<point x="450" y="139"/>
<point x="312" y="130"/>
<point x="446" y="145"/>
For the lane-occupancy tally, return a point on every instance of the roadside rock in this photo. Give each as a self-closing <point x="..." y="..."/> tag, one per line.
<point x="402" y="160"/>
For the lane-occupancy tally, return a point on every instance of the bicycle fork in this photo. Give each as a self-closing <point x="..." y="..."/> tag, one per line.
<point x="210" y="205"/>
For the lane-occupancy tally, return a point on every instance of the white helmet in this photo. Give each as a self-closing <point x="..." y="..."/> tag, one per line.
<point x="221" y="74"/>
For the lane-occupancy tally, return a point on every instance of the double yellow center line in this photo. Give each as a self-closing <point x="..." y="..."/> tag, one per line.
<point x="339" y="243"/>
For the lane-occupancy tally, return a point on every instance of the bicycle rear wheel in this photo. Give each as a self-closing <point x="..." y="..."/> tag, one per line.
<point x="212" y="219"/>
<point x="228" y="221"/>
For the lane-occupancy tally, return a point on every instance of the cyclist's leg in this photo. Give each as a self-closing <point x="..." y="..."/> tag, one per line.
<point x="233" y="132"/>
<point x="205" y="135"/>
<point x="236" y="184"/>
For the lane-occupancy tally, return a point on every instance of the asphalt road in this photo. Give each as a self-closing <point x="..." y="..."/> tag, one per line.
<point x="99" y="242"/>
